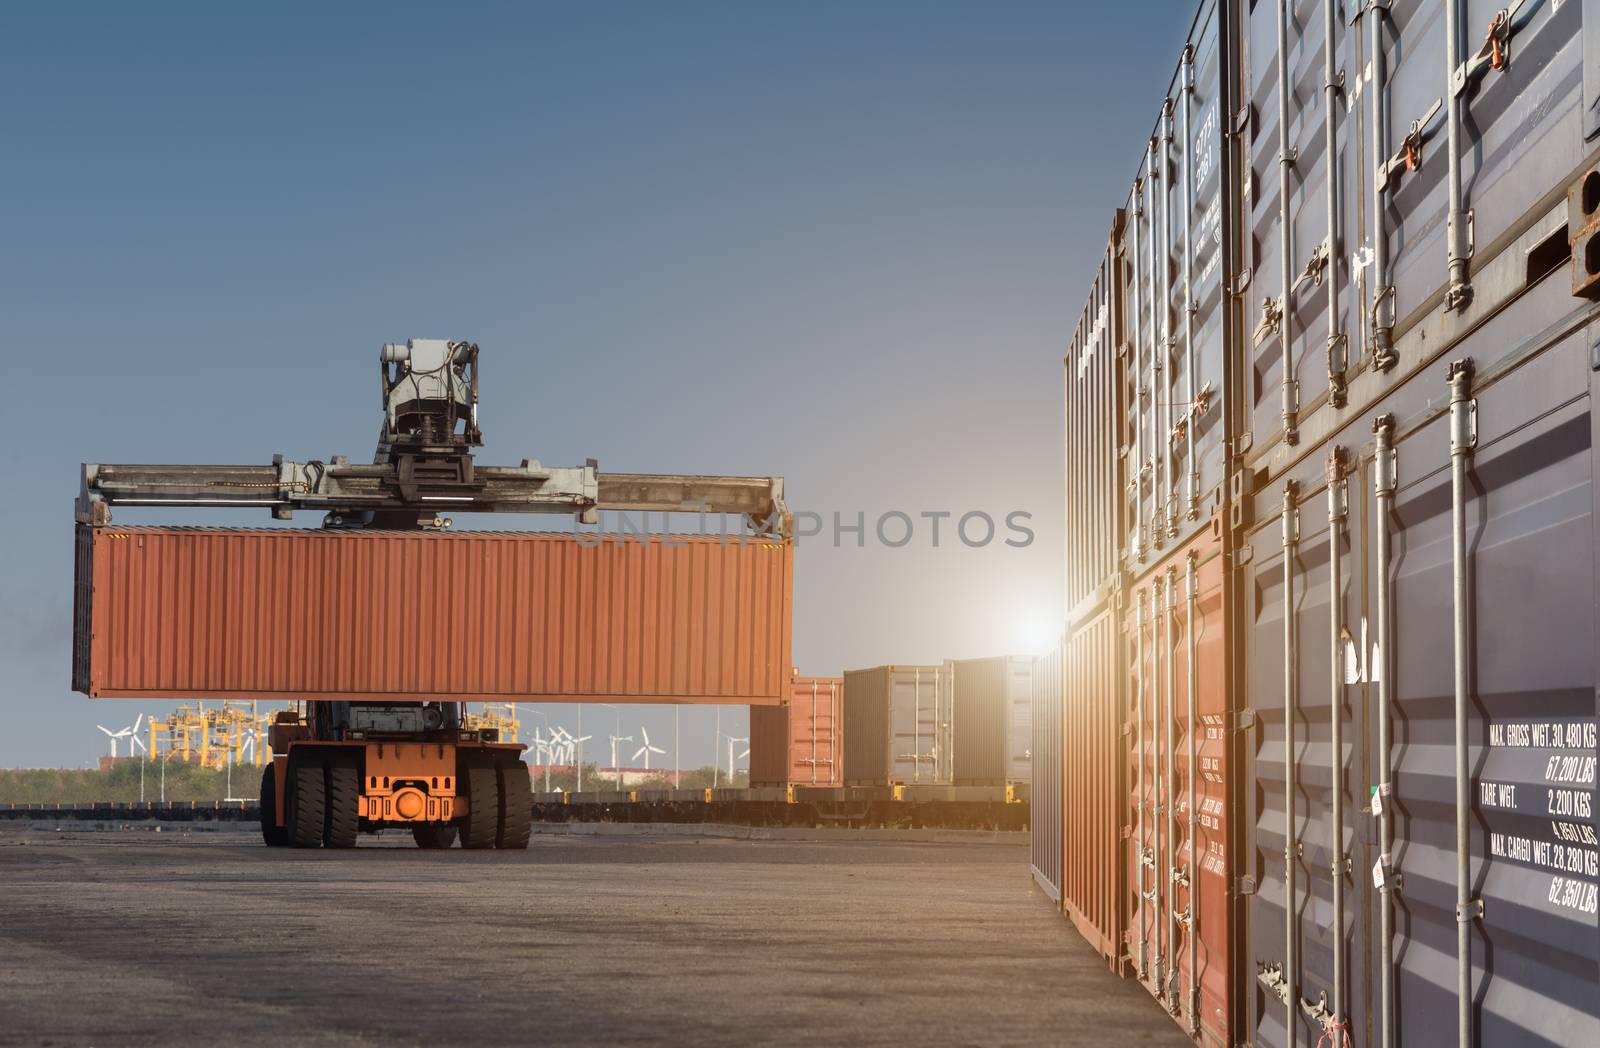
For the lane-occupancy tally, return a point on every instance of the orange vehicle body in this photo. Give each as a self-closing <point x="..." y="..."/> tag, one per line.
<point x="402" y="782"/>
<point x="429" y="786"/>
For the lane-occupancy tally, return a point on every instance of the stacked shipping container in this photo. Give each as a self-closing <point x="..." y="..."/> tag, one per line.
<point x="1333" y="582"/>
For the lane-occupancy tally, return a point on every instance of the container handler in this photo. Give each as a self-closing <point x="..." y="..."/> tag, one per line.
<point x="341" y="768"/>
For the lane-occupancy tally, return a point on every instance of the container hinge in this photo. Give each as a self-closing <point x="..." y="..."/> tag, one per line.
<point x="1240" y="282"/>
<point x="1271" y="320"/>
<point x="1409" y="157"/>
<point x="1316" y="266"/>
<point x="1244" y="886"/>
<point x="1244" y="719"/>
<point x="1473" y="910"/>
<point x="1494" y="54"/>
<point x="1243" y="442"/>
<point x="1319" y="1012"/>
<point x="1243" y="555"/>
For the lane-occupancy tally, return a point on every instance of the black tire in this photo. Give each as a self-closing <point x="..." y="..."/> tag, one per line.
<point x="479" y="828"/>
<point x="432" y="835"/>
<point x="516" y="806"/>
<point x="307" y="803"/>
<point x="343" y="805"/>
<point x="272" y="834"/>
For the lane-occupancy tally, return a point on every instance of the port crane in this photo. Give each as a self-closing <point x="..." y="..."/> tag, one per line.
<point x="339" y="768"/>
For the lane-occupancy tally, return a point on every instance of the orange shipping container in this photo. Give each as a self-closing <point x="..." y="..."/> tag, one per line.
<point x="420" y="616"/>
<point x="1093" y="777"/>
<point x="1177" y="852"/>
<point x="800" y="742"/>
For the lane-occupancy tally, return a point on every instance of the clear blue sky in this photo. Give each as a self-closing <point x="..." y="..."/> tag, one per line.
<point x="845" y="243"/>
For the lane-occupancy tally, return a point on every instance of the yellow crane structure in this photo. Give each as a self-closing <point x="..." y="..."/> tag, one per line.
<point x="212" y="736"/>
<point x="495" y="716"/>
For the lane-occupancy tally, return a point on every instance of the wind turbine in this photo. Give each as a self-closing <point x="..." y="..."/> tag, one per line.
<point x="546" y="751"/>
<point x="646" y="750"/>
<point x="731" y="743"/>
<point x="115" y="735"/>
<point x="614" y="766"/>
<point x="571" y="746"/>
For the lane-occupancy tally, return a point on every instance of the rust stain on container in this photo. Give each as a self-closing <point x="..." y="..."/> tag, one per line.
<point x="802" y="741"/>
<point x="414" y="616"/>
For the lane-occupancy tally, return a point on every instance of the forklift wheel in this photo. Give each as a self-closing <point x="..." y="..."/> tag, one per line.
<point x="434" y="835"/>
<point x="274" y="835"/>
<point x="516" y="806"/>
<point x="307" y="804"/>
<point x="343" y="804"/>
<point x="483" y="808"/>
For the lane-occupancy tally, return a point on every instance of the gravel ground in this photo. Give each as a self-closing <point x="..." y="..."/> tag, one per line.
<point x="137" y="937"/>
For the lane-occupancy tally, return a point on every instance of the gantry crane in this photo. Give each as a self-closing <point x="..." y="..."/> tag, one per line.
<point x="342" y="767"/>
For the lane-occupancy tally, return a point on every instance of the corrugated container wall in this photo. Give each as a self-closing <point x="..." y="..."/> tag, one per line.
<point x="1093" y="370"/>
<point x="800" y="742"/>
<point x="1044" y="804"/>
<point x="1171" y="252"/>
<point x="1392" y="667"/>
<point x="1452" y="179"/>
<point x="897" y="724"/>
<point x="1180" y="777"/>
<point x="1094" y="785"/>
<point x="413" y="616"/>
<point x="992" y="714"/>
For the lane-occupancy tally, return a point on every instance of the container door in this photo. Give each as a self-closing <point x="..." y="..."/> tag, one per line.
<point x="1180" y="927"/>
<point x="1531" y="719"/>
<point x="1094" y="785"/>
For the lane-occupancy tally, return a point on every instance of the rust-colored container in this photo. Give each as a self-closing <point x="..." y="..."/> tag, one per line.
<point x="1093" y="783"/>
<point x="417" y="616"/>
<point x="1180" y="909"/>
<point x="802" y="741"/>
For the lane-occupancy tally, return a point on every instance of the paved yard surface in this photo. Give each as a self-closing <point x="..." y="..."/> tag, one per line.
<point x="177" y="937"/>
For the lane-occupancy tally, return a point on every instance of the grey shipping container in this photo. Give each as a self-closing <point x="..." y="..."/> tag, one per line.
<point x="1092" y="373"/>
<point x="1044" y="805"/>
<point x="1170" y="251"/>
<point x="992" y="717"/>
<point x="1434" y="791"/>
<point x="897" y="725"/>
<point x="1518" y="679"/>
<point x="1339" y="202"/>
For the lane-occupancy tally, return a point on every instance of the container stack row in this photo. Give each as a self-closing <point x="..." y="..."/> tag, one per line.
<point x="964" y="722"/>
<point x="1316" y="757"/>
